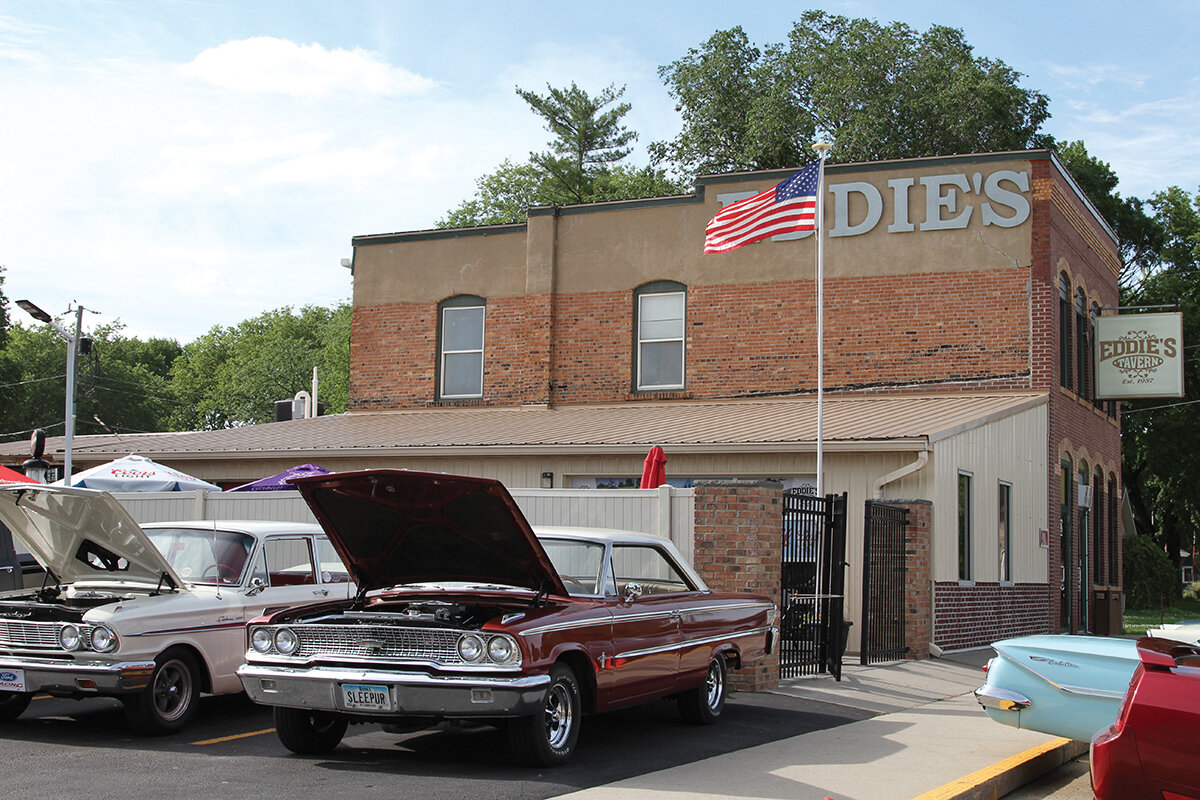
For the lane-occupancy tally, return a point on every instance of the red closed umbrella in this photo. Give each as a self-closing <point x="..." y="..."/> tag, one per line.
<point x="654" y="470"/>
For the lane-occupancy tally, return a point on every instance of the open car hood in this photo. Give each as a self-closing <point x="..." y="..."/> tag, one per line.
<point x="82" y="535"/>
<point x="393" y="527"/>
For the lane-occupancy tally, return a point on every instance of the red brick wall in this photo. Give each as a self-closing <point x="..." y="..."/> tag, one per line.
<point x="918" y="600"/>
<point x="908" y="333"/>
<point x="1077" y="428"/>
<point x="737" y="548"/>
<point x="966" y="616"/>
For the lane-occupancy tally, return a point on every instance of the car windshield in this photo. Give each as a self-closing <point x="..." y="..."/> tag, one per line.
<point x="201" y="555"/>
<point x="579" y="564"/>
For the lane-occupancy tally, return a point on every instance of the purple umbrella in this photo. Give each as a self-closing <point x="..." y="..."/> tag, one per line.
<point x="280" y="481"/>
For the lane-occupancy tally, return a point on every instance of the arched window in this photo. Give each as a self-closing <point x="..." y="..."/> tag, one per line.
<point x="1064" y="330"/>
<point x="1095" y="315"/>
<point x="1099" y="522"/>
<point x="1065" y="528"/>
<point x="460" y="347"/>
<point x="659" y="311"/>
<point x="1114" y="556"/>
<point x="1082" y="345"/>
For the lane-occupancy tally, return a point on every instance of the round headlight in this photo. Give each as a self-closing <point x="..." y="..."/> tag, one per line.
<point x="260" y="640"/>
<point x="470" y="647"/>
<point x="68" y="637"/>
<point x="104" y="640"/>
<point x="500" y="649"/>
<point x="286" y="641"/>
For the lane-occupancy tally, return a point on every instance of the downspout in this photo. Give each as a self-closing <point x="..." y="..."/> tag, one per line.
<point x="905" y="471"/>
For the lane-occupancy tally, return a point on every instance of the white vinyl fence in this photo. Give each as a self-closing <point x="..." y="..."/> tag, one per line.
<point x="666" y="511"/>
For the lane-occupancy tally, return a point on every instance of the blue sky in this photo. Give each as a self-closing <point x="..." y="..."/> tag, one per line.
<point x="181" y="164"/>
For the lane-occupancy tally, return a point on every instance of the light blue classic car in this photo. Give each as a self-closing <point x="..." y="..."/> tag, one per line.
<point x="1061" y="685"/>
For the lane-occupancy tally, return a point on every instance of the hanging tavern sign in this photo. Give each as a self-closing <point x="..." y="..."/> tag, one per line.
<point x="1139" y="355"/>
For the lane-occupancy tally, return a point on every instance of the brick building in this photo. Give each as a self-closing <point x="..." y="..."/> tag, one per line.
<point x="960" y="295"/>
<point x="947" y="279"/>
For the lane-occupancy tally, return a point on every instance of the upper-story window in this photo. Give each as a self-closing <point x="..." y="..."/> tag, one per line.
<point x="1083" y="346"/>
<point x="1064" y="330"/>
<point x="460" y="347"/>
<point x="659" y="310"/>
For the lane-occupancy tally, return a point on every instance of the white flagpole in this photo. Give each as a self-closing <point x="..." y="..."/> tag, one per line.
<point x="822" y="149"/>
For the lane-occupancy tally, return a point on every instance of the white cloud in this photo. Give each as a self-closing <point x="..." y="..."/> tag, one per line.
<point x="267" y="65"/>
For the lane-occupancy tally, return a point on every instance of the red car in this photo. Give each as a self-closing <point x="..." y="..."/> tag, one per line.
<point x="1152" y="751"/>
<point x="463" y="612"/>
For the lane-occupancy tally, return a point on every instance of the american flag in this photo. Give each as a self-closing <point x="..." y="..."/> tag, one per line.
<point x="790" y="206"/>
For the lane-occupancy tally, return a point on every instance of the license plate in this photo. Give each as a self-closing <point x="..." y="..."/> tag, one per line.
<point x="366" y="697"/>
<point x="12" y="680"/>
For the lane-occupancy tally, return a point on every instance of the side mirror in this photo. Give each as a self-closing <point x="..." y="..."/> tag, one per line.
<point x="256" y="585"/>
<point x="632" y="592"/>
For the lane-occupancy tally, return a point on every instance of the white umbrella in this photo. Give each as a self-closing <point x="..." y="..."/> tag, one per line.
<point x="137" y="474"/>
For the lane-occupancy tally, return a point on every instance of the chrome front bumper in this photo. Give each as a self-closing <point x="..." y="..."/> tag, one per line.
<point x="410" y="694"/>
<point x="79" y="677"/>
<point x="1001" y="699"/>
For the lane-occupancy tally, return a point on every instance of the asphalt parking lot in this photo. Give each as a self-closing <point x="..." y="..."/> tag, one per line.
<point x="65" y="748"/>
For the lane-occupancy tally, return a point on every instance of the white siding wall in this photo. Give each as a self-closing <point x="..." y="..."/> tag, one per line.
<point x="1012" y="450"/>
<point x="666" y="511"/>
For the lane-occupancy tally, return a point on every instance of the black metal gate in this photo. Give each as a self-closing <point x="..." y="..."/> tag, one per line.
<point x="812" y="628"/>
<point x="883" y="583"/>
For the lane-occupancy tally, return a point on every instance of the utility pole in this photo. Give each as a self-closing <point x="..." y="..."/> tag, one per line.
<point x="73" y="341"/>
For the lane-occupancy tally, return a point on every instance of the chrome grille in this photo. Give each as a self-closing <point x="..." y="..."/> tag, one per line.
<point x="379" y="642"/>
<point x="29" y="634"/>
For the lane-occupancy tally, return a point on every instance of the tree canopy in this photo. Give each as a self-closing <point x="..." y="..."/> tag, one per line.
<point x="581" y="165"/>
<point x="873" y="91"/>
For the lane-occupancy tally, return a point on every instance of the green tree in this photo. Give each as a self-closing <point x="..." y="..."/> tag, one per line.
<point x="1161" y="464"/>
<point x="587" y="138"/>
<point x="121" y="386"/>
<point x="232" y="376"/>
<point x="1140" y="235"/>
<point x="581" y="165"/>
<point x="873" y="91"/>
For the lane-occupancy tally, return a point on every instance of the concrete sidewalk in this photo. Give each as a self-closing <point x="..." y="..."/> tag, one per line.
<point x="931" y="741"/>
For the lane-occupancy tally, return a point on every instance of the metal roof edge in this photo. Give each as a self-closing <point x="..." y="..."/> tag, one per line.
<point x="986" y="419"/>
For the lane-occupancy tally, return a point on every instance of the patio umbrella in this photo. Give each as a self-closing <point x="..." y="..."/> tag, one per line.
<point x="12" y="476"/>
<point x="136" y="474"/>
<point x="280" y="481"/>
<point x="654" y="469"/>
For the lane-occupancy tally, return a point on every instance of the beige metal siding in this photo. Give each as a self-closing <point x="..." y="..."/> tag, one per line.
<point x="1012" y="450"/>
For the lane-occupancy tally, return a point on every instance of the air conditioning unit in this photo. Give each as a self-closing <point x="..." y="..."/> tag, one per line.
<point x="1084" y="494"/>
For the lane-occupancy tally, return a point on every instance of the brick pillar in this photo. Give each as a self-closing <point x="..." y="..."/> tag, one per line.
<point x="738" y="540"/>
<point x="918" y="585"/>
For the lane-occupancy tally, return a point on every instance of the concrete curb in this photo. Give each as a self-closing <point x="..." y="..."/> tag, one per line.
<point x="1010" y="774"/>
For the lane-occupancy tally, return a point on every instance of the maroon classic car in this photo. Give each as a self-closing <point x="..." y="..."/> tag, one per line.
<point x="462" y="612"/>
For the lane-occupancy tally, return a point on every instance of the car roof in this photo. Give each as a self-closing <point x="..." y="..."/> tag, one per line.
<point x="256" y="527"/>
<point x="597" y="534"/>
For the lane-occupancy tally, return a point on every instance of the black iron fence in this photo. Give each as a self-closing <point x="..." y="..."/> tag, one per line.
<point x="812" y="627"/>
<point x="884" y="571"/>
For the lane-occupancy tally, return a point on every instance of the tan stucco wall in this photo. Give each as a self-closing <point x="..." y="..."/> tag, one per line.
<point x="618" y="246"/>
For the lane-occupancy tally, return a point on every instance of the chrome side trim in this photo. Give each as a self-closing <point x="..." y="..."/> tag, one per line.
<point x="641" y="617"/>
<point x="692" y="643"/>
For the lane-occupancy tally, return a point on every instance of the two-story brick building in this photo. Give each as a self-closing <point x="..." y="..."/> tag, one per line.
<point x="960" y="294"/>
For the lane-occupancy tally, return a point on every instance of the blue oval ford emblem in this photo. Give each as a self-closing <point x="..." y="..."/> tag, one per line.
<point x="8" y="676"/>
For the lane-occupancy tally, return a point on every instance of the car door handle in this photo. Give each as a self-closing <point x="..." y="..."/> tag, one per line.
<point x="6" y="569"/>
<point x="324" y="592"/>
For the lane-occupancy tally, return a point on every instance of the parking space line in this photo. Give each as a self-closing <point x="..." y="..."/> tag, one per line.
<point x="235" y="736"/>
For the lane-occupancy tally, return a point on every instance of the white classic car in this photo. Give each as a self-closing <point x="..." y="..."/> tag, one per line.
<point x="152" y="616"/>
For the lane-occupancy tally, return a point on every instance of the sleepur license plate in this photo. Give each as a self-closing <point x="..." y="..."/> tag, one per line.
<point x="12" y="680"/>
<point x="366" y="697"/>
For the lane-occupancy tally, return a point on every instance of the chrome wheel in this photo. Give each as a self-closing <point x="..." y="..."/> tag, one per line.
<point x="715" y="684"/>
<point x="560" y="716"/>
